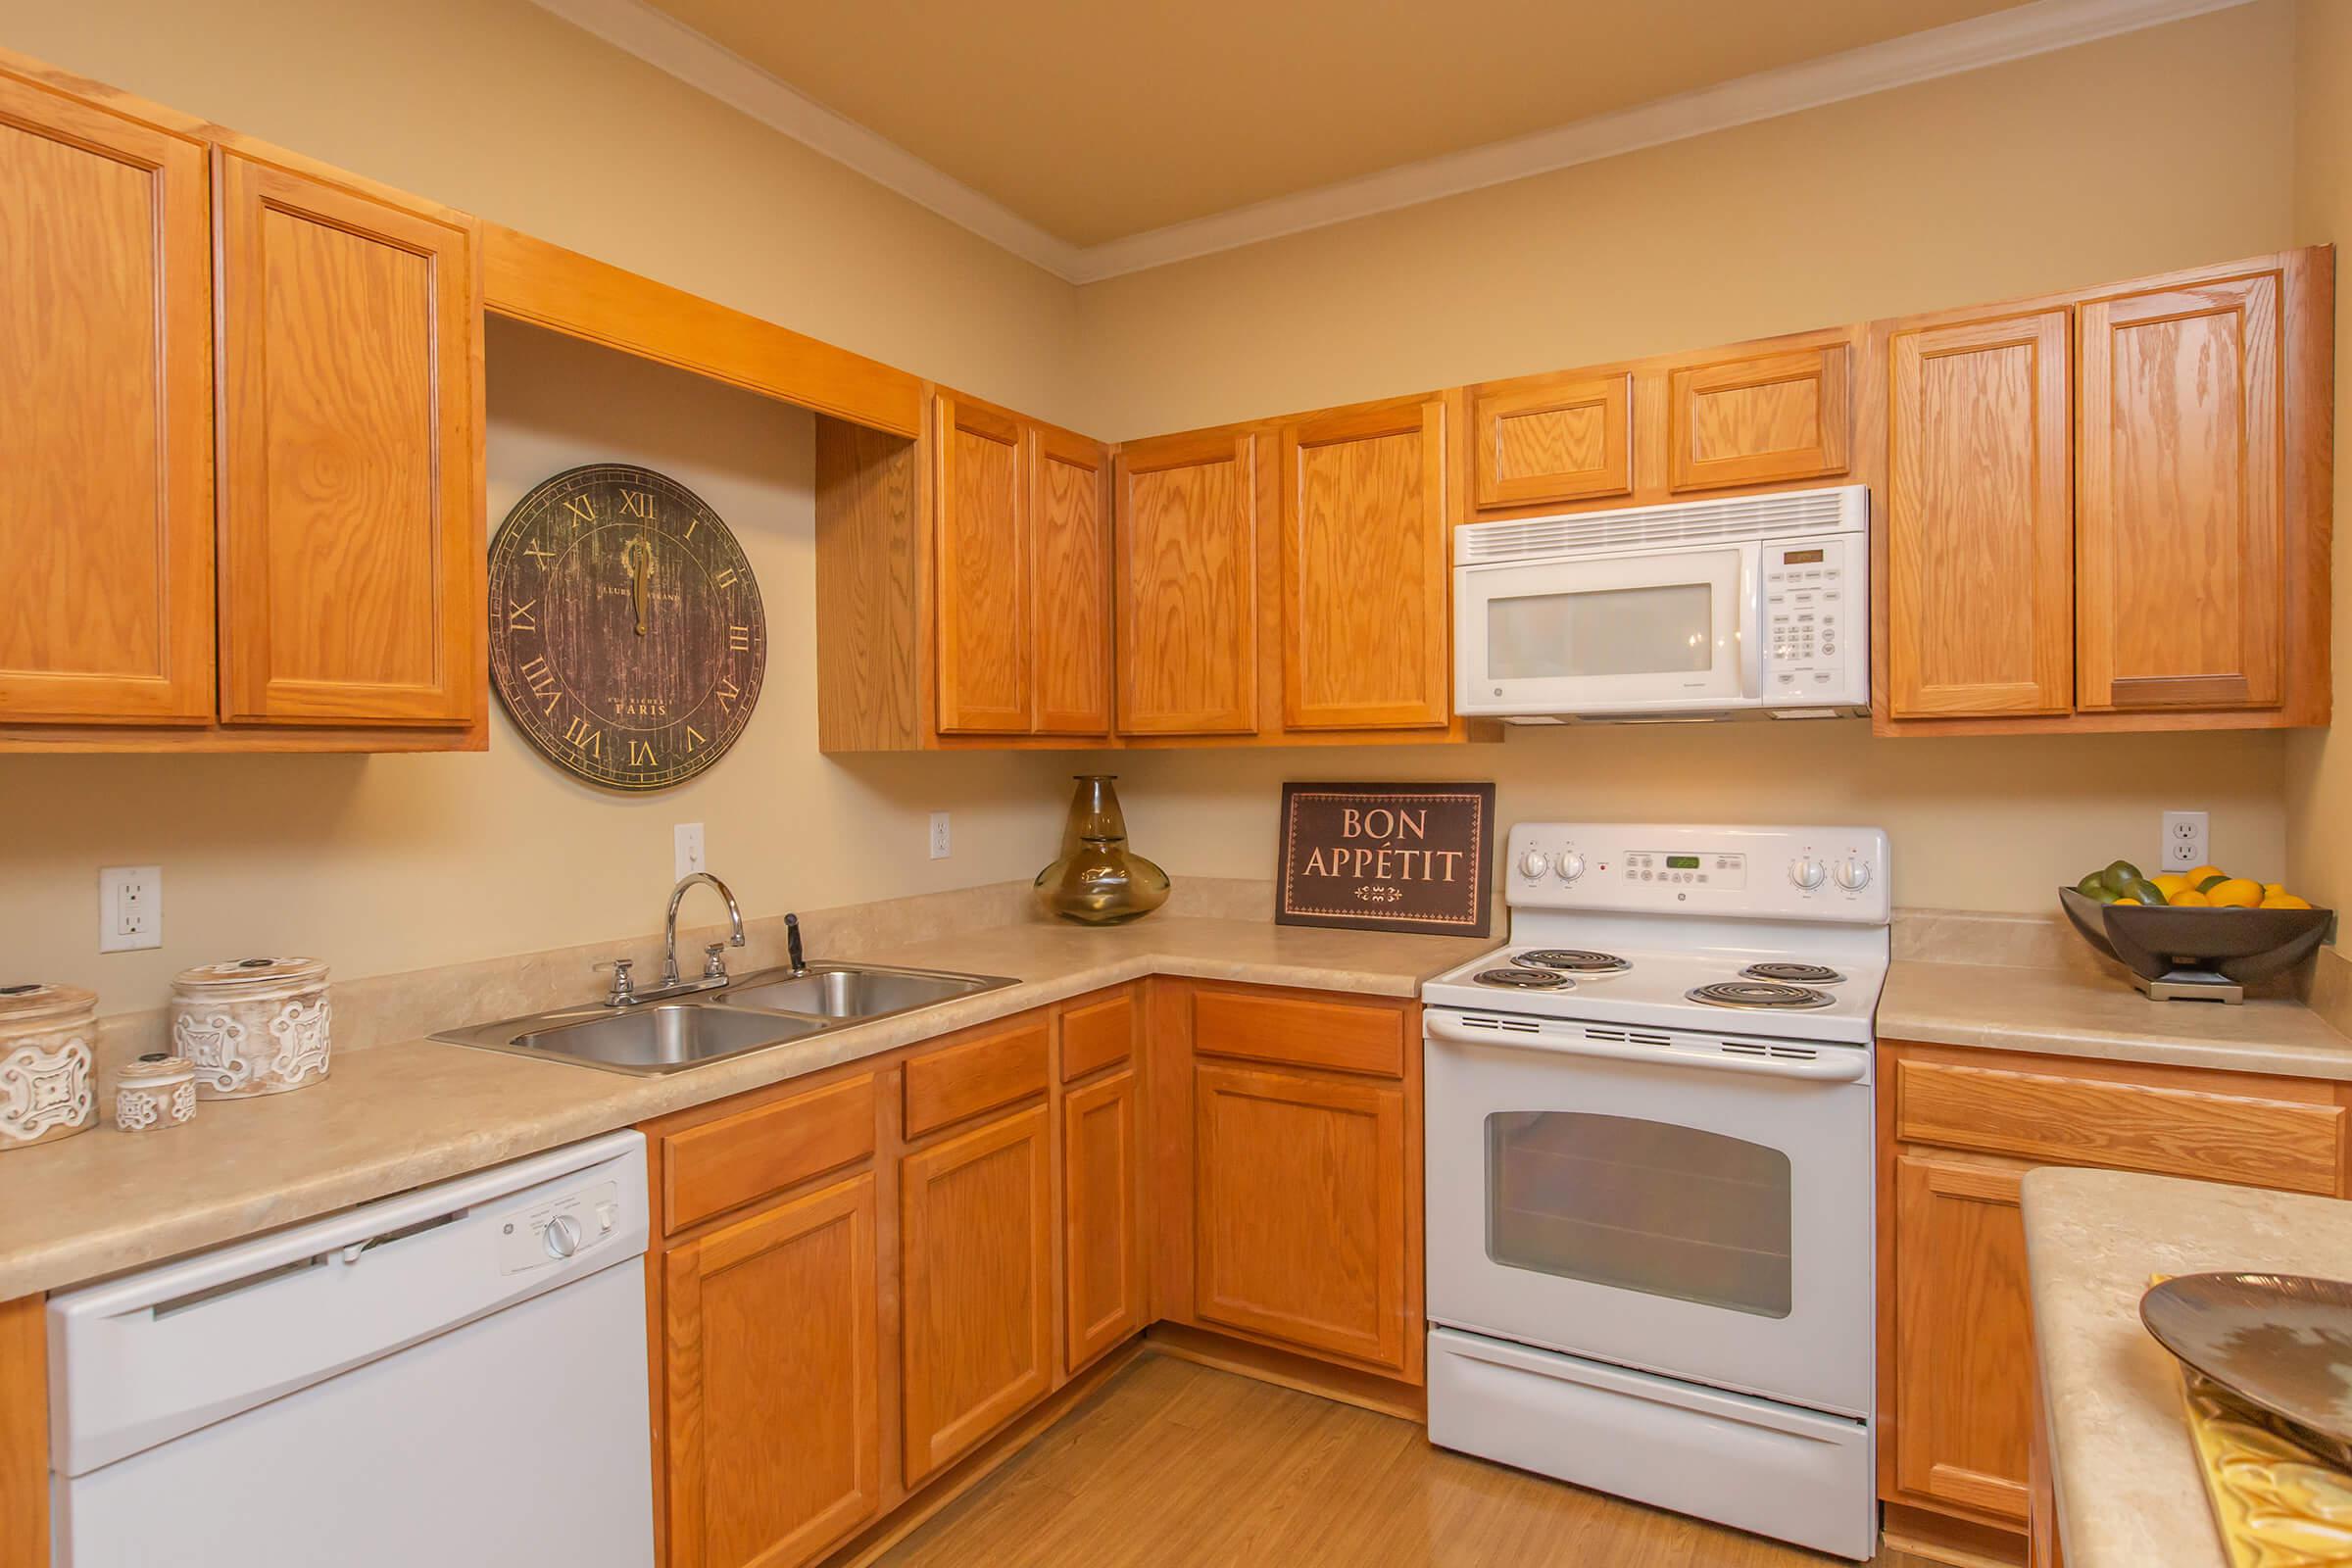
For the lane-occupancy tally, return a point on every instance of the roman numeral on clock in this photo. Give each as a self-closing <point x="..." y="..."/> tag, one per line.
<point x="586" y="736"/>
<point x="694" y="738"/>
<point x="522" y="617"/>
<point x="637" y="504"/>
<point x="544" y="688"/>
<point x="739" y="638"/>
<point x="725" y="577"/>
<point x="582" y="508"/>
<point x="640" y="755"/>
<point x="727" y="691"/>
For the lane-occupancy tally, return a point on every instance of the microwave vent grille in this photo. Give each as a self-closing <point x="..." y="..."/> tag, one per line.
<point x="1741" y="518"/>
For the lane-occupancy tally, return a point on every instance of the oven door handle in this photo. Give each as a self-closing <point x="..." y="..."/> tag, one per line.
<point x="1844" y="1066"/>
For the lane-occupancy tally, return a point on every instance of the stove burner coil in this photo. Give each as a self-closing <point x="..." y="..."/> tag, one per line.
<point x="1763" y="995"/>
<point x="1794" y="974"/>
<point x="1574" y="960"/>
<point x="1524" y="979"/>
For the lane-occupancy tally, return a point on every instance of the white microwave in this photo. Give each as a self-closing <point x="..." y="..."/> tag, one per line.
<point x="1754" y="605"/>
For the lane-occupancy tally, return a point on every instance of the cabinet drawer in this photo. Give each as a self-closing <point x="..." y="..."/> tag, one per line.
<point x="1094" y="1035"/>
<point x="1299" y="1033"/>
<point x="2285" y="1144"/>
<point x="981" y="1074"/>
<point x="723" y="1164"/>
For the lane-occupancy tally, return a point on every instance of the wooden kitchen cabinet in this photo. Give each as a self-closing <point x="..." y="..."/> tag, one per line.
<point x="1069" y="563"/>
<point x="1365" y="587"/>
<point x="1553" y="439"/>
<point x="1759" y="419"/>
<point x="984" y="572"/>
<point x="772" y="1389"/>
<point x="1102" y="1216"/>
<point x="1185" y="606"/>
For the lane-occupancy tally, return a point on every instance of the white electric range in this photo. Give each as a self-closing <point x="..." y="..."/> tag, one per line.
<point x="1648" y="1155"/>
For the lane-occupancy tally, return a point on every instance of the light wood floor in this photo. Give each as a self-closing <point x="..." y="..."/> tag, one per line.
<point x="1176" y="1464"/>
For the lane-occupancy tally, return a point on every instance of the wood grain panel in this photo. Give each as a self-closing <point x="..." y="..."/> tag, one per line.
<point x="718" y="1165"/>
<point x="24" y="1434"/>
<point x="1299" y="1032"/>
<point x="996" y="1068"/>
<point x="1298" y="1209"/>
<point x="769" y="1384"/>
<point x="1981" y="520"/>
<point x="1186" y="610"/>
<point x="351" y="501"/>
<point x="983" y="559"/>
<point x="2293" y="1145"/>
<point x="2180" y="520"/>
<point x="1097" y="1034"/>
<point x="1772" y="418"/>
<point x="1367" y="633"/>
<point x="976" y="1261"/>
<point x="1101" y="1218"/>
<point x="1569" y="439"/>
<point x="106" y="509"/>
<point x="1069" y="541"/>
<point x="873" y="568"/>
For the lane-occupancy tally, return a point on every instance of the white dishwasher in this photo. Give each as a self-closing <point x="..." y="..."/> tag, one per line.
<point x="455" y="1376"/>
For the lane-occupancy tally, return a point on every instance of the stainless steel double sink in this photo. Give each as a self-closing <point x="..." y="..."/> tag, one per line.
<point x="766" y="1008"/>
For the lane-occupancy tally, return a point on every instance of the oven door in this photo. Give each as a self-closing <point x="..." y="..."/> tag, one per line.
<point x="1653" y="633"/>
<point x="1681" y="1209"/>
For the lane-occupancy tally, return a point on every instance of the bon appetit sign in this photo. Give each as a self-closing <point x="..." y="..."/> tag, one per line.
<point x="1386" y="857"/>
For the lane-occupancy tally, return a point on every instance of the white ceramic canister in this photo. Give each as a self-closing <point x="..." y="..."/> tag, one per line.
<point x="46" y="1033"/>
<point x="154" y="1092"/>
<point x="251" y="1026"/>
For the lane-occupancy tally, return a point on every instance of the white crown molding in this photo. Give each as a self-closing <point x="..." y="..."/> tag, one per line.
<point x="2036" y="27"/>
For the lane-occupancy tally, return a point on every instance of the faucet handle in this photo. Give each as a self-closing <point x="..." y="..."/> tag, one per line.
<point x="715" y="961"/>
<point x="624" y="990"/>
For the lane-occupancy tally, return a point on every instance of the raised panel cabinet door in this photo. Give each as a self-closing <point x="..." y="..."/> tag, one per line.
<point x="1766" y="419"/>
<point x="983" y="572"/>
<point x="1070" y="584"/>
<point x="1102" y="1257"/>
<point x="976" y="1265"/>
<point x="772" y="1390"/>
<point x="2178" y="511"/>
<point x="1980" y="523"/>
<point x="1364" y="623"/>
<point x="1299" y="1211"/>
<point x="1186" y="609"/>
<point x="106" y="420"/>
<point x="1569" y="440"/>
<point x="352" y="565"/>
<point x="1963" y="1352"/>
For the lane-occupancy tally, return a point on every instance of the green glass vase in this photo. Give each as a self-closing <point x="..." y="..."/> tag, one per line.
<point x="1098" y="879"/>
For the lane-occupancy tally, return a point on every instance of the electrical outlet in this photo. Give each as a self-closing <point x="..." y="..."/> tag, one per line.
<point x="938" y="835"/>
<point x="130" y="907"/>
<point x="687" y="837"/>
<point x="2183" y="840"/>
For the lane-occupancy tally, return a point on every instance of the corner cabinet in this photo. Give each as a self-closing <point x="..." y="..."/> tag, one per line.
<point x="1186" y="600"/>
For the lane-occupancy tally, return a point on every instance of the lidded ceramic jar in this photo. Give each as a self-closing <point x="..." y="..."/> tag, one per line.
<point x="252" y="1026"/>
<point x="154" y="1092"/>
<point x="46" y="1036"/>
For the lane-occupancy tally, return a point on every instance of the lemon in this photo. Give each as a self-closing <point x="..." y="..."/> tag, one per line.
<point x="2284" y="901"/>
<point x="2189" y="899"/>
<point x="2173" y="882"/>
<point x="2236" y="892"/>
<point x="2274" y="889"/>
<point x="2197" y="878"/>
<point x="2134" y="903"/>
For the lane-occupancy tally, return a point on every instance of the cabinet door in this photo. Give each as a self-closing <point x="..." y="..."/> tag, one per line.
<point x="1364" y="633"/>
<point x="352" y="551"/>
<point x="1569" y="440"/>
<point x="1103" y="1260"/>
<point x="1187" y="604"/>
<point x="1299" y="1211"/>
<point x="106" y="433"/>
<point x="1979" y="525"/>
<point x="772" y="1387"/>
<point x="977" y="1268"/>
<point x="983" y="573"/>
<point x="1963" y="1353"/>
<point x="1070" y="574"/>
<point x="2179" y="517"/>
<point x="1768" y="420"/>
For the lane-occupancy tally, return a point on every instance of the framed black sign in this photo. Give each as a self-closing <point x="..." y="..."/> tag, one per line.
<point x="1387" y="857"/>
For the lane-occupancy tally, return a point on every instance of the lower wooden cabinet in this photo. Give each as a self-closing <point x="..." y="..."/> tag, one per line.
<point x="1103" y="1257"/>
<point x="771" y="1396"/>
<point x="976" y="1276"/>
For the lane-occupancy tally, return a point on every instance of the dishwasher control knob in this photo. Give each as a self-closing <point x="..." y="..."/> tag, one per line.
<point x="1571" y="867"/>
<point x="1534" y="863"/>
<point x="1807" y="873"/>
<point x="1853" y="873"/>
<point x="562" y="1236"/>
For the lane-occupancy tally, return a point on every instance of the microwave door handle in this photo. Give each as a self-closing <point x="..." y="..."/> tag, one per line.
<point x="1751" y="624"/>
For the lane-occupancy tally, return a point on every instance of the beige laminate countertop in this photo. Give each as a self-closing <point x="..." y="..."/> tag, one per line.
<point x="399" y="1115"/>
<point x="2125" y="1481"/>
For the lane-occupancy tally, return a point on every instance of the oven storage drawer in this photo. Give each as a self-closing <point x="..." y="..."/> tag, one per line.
<point x="1748" y="1462"/>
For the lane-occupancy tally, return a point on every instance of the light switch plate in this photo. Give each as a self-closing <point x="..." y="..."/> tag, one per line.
<point x="130" y="907"/>
<point x="2184" y="841"/>
<point x="938" y="835"/>
<point x="688" y="839"/>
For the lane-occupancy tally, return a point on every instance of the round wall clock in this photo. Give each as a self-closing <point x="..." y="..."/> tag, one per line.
<point x="627" y="634"/>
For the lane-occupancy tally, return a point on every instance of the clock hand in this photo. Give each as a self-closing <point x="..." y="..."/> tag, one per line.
<point x="641" y="578"/>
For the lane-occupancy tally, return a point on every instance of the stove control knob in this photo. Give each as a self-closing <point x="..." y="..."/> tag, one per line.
<point x="1571" y="867"/>
<point x="561" y="1237"/>
<point x="1534" y="863"/>
<point x="1807" y="873"/>
<point x="1853" y="873"/>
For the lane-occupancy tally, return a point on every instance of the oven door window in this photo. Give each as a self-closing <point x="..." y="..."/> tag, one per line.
<point x="1641" y="1205"/>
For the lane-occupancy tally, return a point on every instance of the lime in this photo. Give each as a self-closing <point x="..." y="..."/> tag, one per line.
<point x="2121" y="876"/>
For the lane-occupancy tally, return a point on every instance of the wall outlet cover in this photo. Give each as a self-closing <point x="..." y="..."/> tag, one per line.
<point x="687" y="837"/>
<point x="2184" y="841"/>
<point x="938" y="835"/>
<point x="130" y="907"/>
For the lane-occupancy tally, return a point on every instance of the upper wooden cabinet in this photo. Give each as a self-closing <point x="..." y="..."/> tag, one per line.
<point x="984" y="572"/>
<point x="1760" y="418"/>
<point x="1365" y="638"/>
<point x="1185" y="606"/>
<point x="1069" y="611"/>
<point x="105" y="430"/>
<point x="1556" y="439"/>
<point x="350" y="485"/>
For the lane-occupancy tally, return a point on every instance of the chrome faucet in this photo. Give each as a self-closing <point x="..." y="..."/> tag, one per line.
<point x="714" y="964"/>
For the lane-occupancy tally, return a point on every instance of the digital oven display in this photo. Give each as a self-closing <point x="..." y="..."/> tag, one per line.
<point x="1682" y="862"/>
<point x="1800" y="557"/>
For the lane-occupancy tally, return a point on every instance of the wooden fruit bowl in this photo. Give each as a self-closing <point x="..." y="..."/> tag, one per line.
<point x="2243" y="944"/>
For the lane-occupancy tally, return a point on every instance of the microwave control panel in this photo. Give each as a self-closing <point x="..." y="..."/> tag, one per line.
<point x="1815" y="606"/>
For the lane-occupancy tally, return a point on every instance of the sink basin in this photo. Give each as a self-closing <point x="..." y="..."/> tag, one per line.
<point x="657" y="1037"/>
<point x="851" y="992"/>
